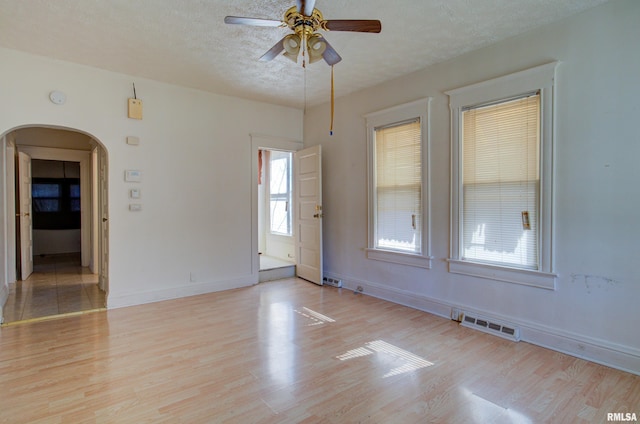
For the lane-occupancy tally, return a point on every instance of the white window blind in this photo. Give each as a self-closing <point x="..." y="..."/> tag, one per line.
<point x="398" y="187"/>
<point x="501" y="182"/>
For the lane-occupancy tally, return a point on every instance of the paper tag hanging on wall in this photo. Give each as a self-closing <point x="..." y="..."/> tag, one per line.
<point x="135" y="106"/>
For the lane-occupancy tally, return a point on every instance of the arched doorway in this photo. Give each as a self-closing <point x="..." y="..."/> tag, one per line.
<point x="62" y="232"/>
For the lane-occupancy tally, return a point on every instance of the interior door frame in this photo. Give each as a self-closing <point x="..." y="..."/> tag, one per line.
<point x="263" y="142"/>
<point x="84" y="158"/>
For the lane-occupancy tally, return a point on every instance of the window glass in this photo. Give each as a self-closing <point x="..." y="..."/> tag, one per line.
<point x="501" y="182"/>
<point x="280" y="192"/>
<point x="398" y="187"/>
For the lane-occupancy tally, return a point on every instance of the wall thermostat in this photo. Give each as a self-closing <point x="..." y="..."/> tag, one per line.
<point x="132" y="176"/>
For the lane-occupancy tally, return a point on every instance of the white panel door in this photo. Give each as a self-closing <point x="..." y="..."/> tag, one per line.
<point x="26" y="230"/>
<point x="308" y="213"/>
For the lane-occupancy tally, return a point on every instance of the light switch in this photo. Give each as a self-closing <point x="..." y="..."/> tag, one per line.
<point x="135" y="207"/>
<point x="134" y="193"/>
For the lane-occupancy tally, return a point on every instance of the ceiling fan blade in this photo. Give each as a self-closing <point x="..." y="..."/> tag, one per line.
<point x="356" y="25"/>
<point x="238" y="20"/>
<point x="305" y="7"/>
<point x="273" y="51"/>
<point x="330" y="55"/>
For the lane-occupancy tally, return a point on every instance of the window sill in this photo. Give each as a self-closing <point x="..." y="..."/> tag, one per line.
<point x="400" y="258"/>
<point x="543" y="280"/>
<point x="281" y="235"/>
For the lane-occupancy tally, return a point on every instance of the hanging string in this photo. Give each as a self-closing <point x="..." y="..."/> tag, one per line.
<point x="332" y="102"/>
<point x="304" y="75"/>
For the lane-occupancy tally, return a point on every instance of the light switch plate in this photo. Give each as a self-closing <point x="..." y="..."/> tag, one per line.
<point x="135" y="207"/>
<point x="134" y="193"/>
<point x="135" y="108"/>
<point x="133" y="141"/>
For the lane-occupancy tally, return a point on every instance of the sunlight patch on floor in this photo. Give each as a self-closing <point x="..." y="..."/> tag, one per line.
<point x="316" y="317"/>
<point x="410" y="362"/>
<point x="486" y="411"/>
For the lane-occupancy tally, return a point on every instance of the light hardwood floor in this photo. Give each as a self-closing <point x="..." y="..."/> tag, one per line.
<point x="58" y="285"/>
<point x="291" y="352"/>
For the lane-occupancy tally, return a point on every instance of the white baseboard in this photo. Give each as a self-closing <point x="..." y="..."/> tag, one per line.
<point x="602" y="352"/>
<point x="184" y="290"/>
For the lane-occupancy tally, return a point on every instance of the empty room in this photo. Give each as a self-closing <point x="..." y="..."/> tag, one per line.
<point x="319" y="211"/>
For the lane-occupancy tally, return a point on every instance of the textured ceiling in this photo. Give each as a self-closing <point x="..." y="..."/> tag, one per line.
<point x="185" y="42"/>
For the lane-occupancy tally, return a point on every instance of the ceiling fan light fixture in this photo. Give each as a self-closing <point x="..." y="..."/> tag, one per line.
<point x="316" y="47"/>
<point x="292" y="47"/>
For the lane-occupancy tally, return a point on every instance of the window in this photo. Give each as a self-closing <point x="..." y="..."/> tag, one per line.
<point x="398" y="198"/>
<point x="280" y="192"/>
<point x="502" y="149"/>
<point x="56" y="203"/>
<point x="398" y="187"/>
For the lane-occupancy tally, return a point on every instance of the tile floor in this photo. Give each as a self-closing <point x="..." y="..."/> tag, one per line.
<point x="58" y="285"/>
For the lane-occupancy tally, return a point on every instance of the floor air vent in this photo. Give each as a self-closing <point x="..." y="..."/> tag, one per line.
<point x="509" y="332"/>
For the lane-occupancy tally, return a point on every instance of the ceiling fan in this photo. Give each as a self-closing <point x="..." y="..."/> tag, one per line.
<point x="305" y="20"/>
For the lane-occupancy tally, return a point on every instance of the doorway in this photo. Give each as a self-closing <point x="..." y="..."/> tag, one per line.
<point x="58" y="252"/>
<point x="276" y="247"/>
<point x="306" y="206"/>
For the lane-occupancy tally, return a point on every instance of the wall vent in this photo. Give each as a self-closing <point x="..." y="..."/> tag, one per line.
<point x="330" y="281"/>
<point x="490" y="326"/>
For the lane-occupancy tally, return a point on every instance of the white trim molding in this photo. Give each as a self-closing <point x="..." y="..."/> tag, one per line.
<point x="421" y="109"/>
<point x="181" y="290"/>
<point x="613" y="355"/>
<point x="419" y="261"/>
<point x="542" y="79"/>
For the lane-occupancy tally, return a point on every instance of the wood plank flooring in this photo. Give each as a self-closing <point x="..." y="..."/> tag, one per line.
<point x="59" y="285"/>
<point x="291" y="352"/>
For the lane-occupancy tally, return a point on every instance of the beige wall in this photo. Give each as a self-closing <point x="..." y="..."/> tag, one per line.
<point x="195" y="156"/>
<point x="594" y="310"/>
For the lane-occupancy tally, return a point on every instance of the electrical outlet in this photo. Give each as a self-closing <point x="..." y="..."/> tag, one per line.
<point x="455" y="315"/>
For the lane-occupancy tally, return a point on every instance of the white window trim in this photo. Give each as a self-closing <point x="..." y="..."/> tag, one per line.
<point x="539" y="78"/>
<point x="417" y="109"/>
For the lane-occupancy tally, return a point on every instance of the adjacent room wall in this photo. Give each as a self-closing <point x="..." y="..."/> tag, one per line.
<point x="194" y="231"/>
<point x="594" y="311"/>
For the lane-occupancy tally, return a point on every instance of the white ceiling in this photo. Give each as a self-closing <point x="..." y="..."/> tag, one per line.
<point x="185" y="42"/>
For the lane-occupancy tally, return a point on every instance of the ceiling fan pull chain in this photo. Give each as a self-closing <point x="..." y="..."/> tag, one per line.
<point x="332" y="102"/>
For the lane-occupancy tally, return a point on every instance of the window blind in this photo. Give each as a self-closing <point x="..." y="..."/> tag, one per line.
<point x="398" y="187"/>
<point x="501" y="182"/>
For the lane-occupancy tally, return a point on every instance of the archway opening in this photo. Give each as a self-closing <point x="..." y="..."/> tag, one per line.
<point x="57" y="246"/>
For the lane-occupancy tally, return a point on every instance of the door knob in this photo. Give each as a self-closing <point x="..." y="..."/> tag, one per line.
<point x="104" y="219"/>
<point x="318" y="215"/>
